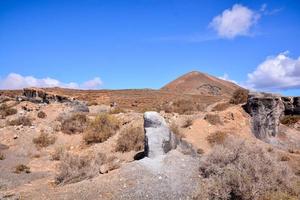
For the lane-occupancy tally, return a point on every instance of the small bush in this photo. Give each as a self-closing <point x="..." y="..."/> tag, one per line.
<point x="44" y="140"/>
<point x="182" y="106"/>
<point x="76" y="123"/>
<point x="221" y="106"/>
<point x="290" y="120"/>
<point x="22" y="120"/>
<point x="58" y="153"/>
<point x="2" y="157"/>
<point x="175" y="129"/>
<point x="213" y="119"/>
<point x="74" y="168"/>
<point x="216" y="138"/>
<point x="22" y="168"/>
<point x="117" y="110"/>
<point x="7" y="111"/>
<point x="284" y="158"/>
<point x="187" y="123"/>
<point x="131" y="139"/>
<point x="242" y="170"/>
<point x="103" y="127"/>
<point x="239" y="96"/>
<point x="92" y="103"/>
<point x="41" y="114"/>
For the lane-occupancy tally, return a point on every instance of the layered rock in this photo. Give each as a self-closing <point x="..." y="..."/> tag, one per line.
<point x="38" y="95"/>
<point x="265" y="110"/>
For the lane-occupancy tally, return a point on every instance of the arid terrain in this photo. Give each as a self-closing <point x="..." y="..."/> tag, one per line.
<point x="199" y="137"/>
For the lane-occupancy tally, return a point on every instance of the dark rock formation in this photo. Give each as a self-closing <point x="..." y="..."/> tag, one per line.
<point x="265" y="110"/>
<point x="292" y="105"/>
<point x="38" y="95"/>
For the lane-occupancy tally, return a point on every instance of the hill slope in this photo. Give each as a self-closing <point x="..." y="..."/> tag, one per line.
<point x="201" y="84"/>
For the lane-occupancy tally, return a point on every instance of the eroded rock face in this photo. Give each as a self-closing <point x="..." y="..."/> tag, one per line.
<point x="158" y="138"/>
<point x="292" y="105"/>
<point x="38" y="95"/>
<point x="265" y="110"/>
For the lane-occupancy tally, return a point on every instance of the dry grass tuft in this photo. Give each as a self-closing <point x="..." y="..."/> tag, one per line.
<point x="290" y="120"/>
<point x="6" y="110"/>
<point x="2" y="157"/>
<point x="176" y="131"/>
<point x="239" y="96"/>
<point x="242" y="170"/>
<point x="216" y="138"/>
<point x="182" y="106"/>
<point x="22" y="120"/>
<point x="44" y="140"/>
<point x="117" y="110"/>
<point x="213" y="119"/>
<point x="221" y="106"/>
<point x="22" y="168"/>
<point x="41" y="114"/>
<point x="103" y="127"/>
<point x="75" y="123"/>
<point x="187" y="123"/>
<point x="58" y="153"/>
<point x="131" y="139"/>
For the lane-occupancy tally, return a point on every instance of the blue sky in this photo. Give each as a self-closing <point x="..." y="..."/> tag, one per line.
<point x="147" y="43"/>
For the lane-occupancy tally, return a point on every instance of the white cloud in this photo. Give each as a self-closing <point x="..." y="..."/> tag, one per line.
<point x="236" y="21"/>
<point x="276" y="73"/>
<point x="226" y="78"/>
<point x="17" y="81"/>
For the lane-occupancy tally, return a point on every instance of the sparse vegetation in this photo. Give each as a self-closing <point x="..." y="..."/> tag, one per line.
<point x="92" y="103"/>
<point x="239" y="96"/>
<point x="182" y="106"/>
<point x="131" y="139"/>
<point x="117" y="110"/>
<point x="242" y="170"/>
<point x="41" y="114"/>
<point x="175" y="129"/>
<point x="290" y="120"/>
<point x="213" y="119"/>
<point x="44" y="140"/>
<point x="58" y="153"/>
<point x="22" y="168"/>
<point x="99" y="130"/>
<point x="22" y="120"/>
<point x="217" y="137"/>
<point x="187" y="123"/>
<point x="74" y="168"/>
<point x="6" y="110"/>
<point x="75" y="123"/>
<point x="221" y="106"/>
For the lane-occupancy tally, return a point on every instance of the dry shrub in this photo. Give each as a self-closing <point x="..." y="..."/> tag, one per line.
<point x="217" y="137"/>
<point x="242" y="170"/>
<point x="187" y="123"/>
<point x="182" y="106"/>
<point x="284" y="158"/>
<point x="2" y="157"/>
<point x="58" y="153"/>
<point x="117" y="110"/>
<point x="239" y="96"/>
<point x="74" y="168"/>
<point x="99" y="130"/>
<point x="290" y="120"/>
<point x="22" y="168"/>
<point x="44" y="140"/>
<point x="7" y="111"/>
<point x="131" y="139"/>
<point x="75" y="123"/>
<point x="213" y="119"/>
<point x="221" y="106"/>
<point x="176" y="131"/>
<point x="22" y="120"/>
<point x="92" y="103"/>
<point x="41" y="114"/>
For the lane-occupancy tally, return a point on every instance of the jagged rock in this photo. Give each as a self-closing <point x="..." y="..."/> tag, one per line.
<point x="292" y="105"/>
<point x="37" y="95"/>
<point x="265" y="110"/>
<point x="158" y="138"/>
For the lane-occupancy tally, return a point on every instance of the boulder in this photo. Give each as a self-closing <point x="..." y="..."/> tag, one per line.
<point x="158" y="138"/>
<point x="37" y="95"/>
<point x="265" y="110"/>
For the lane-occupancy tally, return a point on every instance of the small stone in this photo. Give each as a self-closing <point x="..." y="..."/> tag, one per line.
<point x="16" y="137"/>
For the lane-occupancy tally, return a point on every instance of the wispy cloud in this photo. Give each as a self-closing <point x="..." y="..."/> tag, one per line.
<point x="17" y="81"/>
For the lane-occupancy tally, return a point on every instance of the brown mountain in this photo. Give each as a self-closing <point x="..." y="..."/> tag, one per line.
<point x="201" y="83"/>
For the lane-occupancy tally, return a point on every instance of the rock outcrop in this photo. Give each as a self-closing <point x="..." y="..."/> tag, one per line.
<point x="292" y="105"/>
<point x="38" y="95"/>
<point x="158" y="138"/>
<point x="265" y="110"/>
